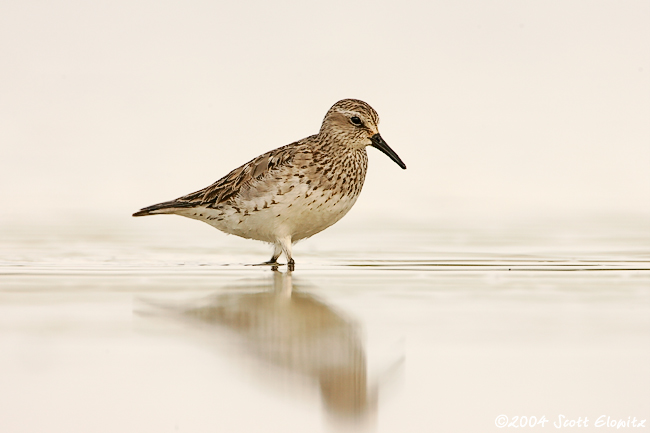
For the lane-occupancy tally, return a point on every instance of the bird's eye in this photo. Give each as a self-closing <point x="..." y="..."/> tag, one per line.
<point x="355" y="120"/>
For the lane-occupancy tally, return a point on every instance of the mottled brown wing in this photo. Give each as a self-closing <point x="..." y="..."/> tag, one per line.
<point x="229" y="185"/>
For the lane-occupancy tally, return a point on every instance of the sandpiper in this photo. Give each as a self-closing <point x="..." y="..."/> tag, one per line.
<point x="294" y="191"/>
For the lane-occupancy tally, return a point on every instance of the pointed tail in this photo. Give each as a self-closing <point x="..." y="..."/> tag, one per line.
<point x="168" y="207"/>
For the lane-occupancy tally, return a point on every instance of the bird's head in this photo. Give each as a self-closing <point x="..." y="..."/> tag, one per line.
<point x="353" y="123"/>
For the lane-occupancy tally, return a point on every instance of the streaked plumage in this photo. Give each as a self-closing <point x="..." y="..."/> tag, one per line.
<point x="294" y="191"/>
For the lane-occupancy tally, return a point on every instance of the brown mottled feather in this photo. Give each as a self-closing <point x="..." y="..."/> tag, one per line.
<point x="229" y="186"/>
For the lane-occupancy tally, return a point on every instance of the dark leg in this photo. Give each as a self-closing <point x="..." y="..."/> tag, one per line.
<point x="277" y="251"/>
<point x="272" y="262"/>
<point x="285" y="245"/>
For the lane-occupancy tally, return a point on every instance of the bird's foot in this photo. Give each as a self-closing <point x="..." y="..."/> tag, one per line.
<point x="291" y="265"/>
<point x="269" y="263"/>
<point x="272" y="263"/>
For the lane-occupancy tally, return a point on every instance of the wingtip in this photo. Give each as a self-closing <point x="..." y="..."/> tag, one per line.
<point x="140" y="213"/>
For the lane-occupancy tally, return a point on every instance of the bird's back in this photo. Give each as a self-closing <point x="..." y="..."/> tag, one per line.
<point x="296" y="190"/>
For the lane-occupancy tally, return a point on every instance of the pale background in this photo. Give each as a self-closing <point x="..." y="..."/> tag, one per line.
<point x="507" y="268"/>
<point x="497" y="107"/>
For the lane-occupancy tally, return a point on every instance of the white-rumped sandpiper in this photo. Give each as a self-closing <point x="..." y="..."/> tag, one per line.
<point x="294" y="191"/>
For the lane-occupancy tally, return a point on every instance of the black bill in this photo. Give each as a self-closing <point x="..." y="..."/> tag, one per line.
<point x="380" y="144"/>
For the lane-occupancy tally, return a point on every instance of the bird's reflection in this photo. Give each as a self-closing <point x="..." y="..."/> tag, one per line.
<point x="300" y="333"/>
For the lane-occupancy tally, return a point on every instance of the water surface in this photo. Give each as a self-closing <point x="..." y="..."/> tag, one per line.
<point x="164" y="325"/>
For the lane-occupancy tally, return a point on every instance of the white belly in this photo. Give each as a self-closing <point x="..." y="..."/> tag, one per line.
<point x="298" y="213"/>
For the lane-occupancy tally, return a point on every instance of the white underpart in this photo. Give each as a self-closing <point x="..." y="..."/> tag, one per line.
<point x="261" y="213"/>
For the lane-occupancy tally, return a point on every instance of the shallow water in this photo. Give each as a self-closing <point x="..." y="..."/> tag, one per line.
<point x="163" y="325"/>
